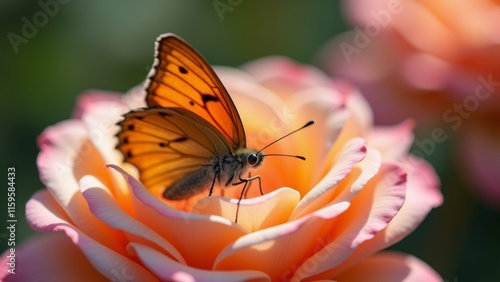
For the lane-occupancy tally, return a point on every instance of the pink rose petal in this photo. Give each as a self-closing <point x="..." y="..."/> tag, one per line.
<point x="49" y="257"/>
<point x="422" y="194"/>
<point x="66" y="155"/>
<point x="254" y="214"/>
<point x="89" y="97"/>
<point x="167" y="269"/>
<point x="390" y="267"/>
<point x="108" y="257"/>
<point x="370" y="211"/>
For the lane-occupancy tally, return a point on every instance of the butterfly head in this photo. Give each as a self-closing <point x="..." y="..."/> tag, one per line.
<point x="254" y="159"/>
<point x="250" y="157"/>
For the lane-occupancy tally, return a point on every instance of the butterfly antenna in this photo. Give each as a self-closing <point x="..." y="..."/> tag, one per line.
<point x="304" y="126"/>
<point x="284" y="155"/>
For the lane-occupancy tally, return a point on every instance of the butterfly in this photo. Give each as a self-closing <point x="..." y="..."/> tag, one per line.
<point x="190" y="135"/>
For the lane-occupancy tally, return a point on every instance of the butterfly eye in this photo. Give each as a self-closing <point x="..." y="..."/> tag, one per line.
<point x="252" y="159"/>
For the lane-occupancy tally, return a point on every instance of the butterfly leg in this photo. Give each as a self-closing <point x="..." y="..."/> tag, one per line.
<point x="249" y="179"/>
<point x="239" y="200"/>
<point x="213" y="183"/>
<point x="245" y="189"/>
<point x="249" y="185"/>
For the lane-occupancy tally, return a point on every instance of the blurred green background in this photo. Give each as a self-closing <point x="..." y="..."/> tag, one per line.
<point x="109" y="45"/>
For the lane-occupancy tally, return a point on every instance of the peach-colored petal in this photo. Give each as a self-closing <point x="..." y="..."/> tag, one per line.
<point x="254" y="214"/>
<point x="388" y="267"/>
<point x="393" y="142"/>
<point x="273" y="118"/>
<point x="327" y="109"/>
<point x="105" y="208"/>
<point x="109" y="259"/>
<point x="359" y="109"/>
<point x="89" y="97"/>
<point x="100" y="119"/>
<point x="274" y="250"/>
<point x="352" y="153"/>
<point x="167" y="269"/>
<point x="370" y="211"/>
<point x="356" y="125"/>
<point x="65" y="156"/>
<point x="183" y="229"/>
<point x="48" y="257"/>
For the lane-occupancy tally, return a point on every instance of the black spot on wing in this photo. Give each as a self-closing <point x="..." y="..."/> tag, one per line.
<point x="180" y="139"/>
<point x="182" y="70"/>
<point x="207" y="98"/>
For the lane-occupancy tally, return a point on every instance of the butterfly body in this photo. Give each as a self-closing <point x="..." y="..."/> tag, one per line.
<point x="227" y="169"/>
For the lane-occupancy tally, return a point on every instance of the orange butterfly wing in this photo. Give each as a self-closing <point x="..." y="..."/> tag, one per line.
<point x="182" y="78"/>
<point x="168" y="144"/>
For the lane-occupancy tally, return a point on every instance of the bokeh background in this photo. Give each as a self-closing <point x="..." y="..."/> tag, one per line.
<point x="108" y="45"/>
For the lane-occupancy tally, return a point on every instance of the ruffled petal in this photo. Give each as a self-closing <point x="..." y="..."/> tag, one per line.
<point x="105" y="208"/>
<point x="321" y="194"/>
<point x="167" y="269"/>
<point x="370" y="212"/>
<point x="100" y="119"/>
<point x="422" y="194"/>
<point x="390" y="267"/>
<point x="274" y="250"/>
<point x="66" y="155"/>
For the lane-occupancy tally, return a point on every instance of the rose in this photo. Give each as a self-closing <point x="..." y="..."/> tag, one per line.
<point x="324" y="218"/>
<point x="429" y="62"/>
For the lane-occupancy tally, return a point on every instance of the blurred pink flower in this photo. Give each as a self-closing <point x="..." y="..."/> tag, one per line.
<point x="435" y="61"/>
<point x="327" y="218"/>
